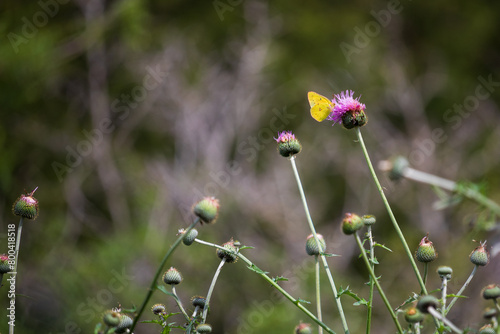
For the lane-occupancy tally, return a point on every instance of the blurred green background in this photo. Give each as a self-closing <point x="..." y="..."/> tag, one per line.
<point x="125" y="113"/>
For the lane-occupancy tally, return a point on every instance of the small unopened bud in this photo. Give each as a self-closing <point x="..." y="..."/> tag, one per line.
<point x="124" y="325"/>
<point x="26" y="206"/>
<point x="172" y="276"/>
<point x="111" y="318"/>
<point x="395" y="167"/>
<point x="303" y="329"/>
<point x="491" y="291"/>
<point x="158" y="309"/>
<point x="426" y="251"/>
<point x="207" y="209"/>
<point x="445" y="272"/>
<point x="413" y="315"/>
<point x="189" y="236"/>
<point x="312" y="247"/>
<point x="369" y="220"/>
<point x="487" y="329"/>
<point x="228" y="252"/>
<point x="351" y="223"/>
<point x="198" y="301"/>
<point x="288" y="145"/>
<point x="203" y="328"/>
<point x="427" y="301"/>
<point x="4" y="264"/>
<point x="480" y="256"/>
<point x="490" y="313"/>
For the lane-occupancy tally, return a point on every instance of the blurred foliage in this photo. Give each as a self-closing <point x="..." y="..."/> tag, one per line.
<point x="167" y="101"/>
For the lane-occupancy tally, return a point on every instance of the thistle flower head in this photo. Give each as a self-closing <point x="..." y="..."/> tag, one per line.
<point x="204" y="328"/>
<point x="480" y="256"/>
<point x="303" y="328"/>
<point x="228" y="253"/>
<point x="351" y="223"/>
<point x="111" y="318"/>
<point x="413" y="315"/>
<point x="288" y="145"/>
<point x="158" y="309"/>
<point x="348" y="111"/>
<point x="312" y="247"/>
<point x="198" y="301"/>
<point x="26" y="206"/>
<point x="207" y="209"/>
<point x="172" y="276"/>
<point x="426" y="251"/>
<point x="4" y="264"/>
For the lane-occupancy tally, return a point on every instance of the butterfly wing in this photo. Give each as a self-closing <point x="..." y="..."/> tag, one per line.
<point x="320" y="106"/>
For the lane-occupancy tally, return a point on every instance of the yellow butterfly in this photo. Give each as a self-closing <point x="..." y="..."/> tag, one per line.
<point x="320" y="106"/>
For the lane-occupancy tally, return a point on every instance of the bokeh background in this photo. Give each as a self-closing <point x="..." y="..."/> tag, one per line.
<point x="125" y="113"/>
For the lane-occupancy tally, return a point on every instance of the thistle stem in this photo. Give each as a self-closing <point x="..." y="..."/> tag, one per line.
<point x="426" y="271"/>
<point x="447" y="322"/>
<point x="454" y="300"/>
<point x="391" y="214"/>
<point x="268" y="279"/>
<point x="444" y="289"/>
<point x="210" y="290"/>
<point x="372" y="283"/>
<point x="323" y="257"/>
<point x="152" y="287"/>
<point x="377" y="284"/>
<point x="14" y="273"/>
<point x="318" y="293"/>
<point x="179" y="303"/>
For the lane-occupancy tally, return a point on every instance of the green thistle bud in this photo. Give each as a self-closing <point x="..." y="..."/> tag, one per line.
<point x="26" y="206"/>
<point x="354" y="118"/>
<point x="4" y="264"/>
<point x="395" y="167"/>
<point x="207" y="209"/>
<point x="426" y="251"/>
<point x="288" y="145"/>
<point x="445" y="272"/>
<point x="487" y="329"/>
<point x="490" y="313"/>
<point x="369" y="220"/>
<point x="351" y="223"/>
<point x="158" y="309"/>
<point x="491" y="291"/>
<point x="189" y="237"/>
<point x="124" y="325"/>
<point x="312" y="247"/>
<point x="427" y="301"/>
<point x="480" y="255"/>
<point x="303" y="329"/>
<point x="172" y="276"/>
<point x="229" y="253"/>
<point x="198" y="301"/>
<point x="413" y="315"/>
<point x="111" y="318"/>
<point x="204" y="328"/>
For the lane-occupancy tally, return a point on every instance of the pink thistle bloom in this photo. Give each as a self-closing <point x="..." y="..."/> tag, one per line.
<point x="345" y="103"/>
<point x="285" y="136"/>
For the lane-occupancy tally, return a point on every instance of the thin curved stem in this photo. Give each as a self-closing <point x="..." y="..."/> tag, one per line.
<point x="268" y="279"/>
<point x="323" y="257"/>
<point x="211" y="290"/>
<point x="372" y="283"/>
<point x="447" y="322"/>
<point x="179" y="303"/>
<point x="318" y="293"/>
<point x="454" y="300"/>
<point x="391" y="214"/>
<point x="377" y="284"/>
<point x="152" y="287"/>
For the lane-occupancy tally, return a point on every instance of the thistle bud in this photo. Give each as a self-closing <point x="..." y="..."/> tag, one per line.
<point x="207" y="209"/>
<point x="158" y="309"/>
<point x="351" y="223"/>
<point x="480" y="256"/>
<point x="427" y="301"/>
<point x="487" y="329"/>
<point x="445" y="272"/>
<point x="312" y="247"/>
<point x="413" y="315"/>
<point x="348" y="111"/>
<point x="203" y="328"/>
<point x="228" y="252"/>
<point x="303" y="329"/>
<point x="369" y="220"/>
<point x="172" y="276"/>
<point x="111" y="318"/>
<point x="124" y="325"/>
<point x="26" y="206"/>
<point x="189" y="236"/>
<point x="198" y="301"/>
<point x="426" y="251"/>
<point x="490" y="313"/>
<point x="396" y="167"/>
<point x="4" y="264"/>
<point x="491" y="291"/>
<point x="288" y="145"/>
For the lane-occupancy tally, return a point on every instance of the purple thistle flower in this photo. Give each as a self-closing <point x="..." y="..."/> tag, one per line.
<point x="285" y="136"/>
<point x="344" y="103"/>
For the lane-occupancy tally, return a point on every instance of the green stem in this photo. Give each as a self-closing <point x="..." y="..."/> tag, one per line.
<point x="372" y="284"/>
<point x="257" y="270"/>
<point x="444" y="291"/>
<point x="391" y="214"/>
<point x="179" y="304"/>
<point x="210" y="290"/>
<point x="377" y="284"/>
<point x="152" y="287"/>
<point x="447" y="322"/>
<point x="323" y="257"/>
<point x="426" y="271"/>
<point x="14" y="273"/>
<point x="318" y="293"/>
<point x="454" y="300"/>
